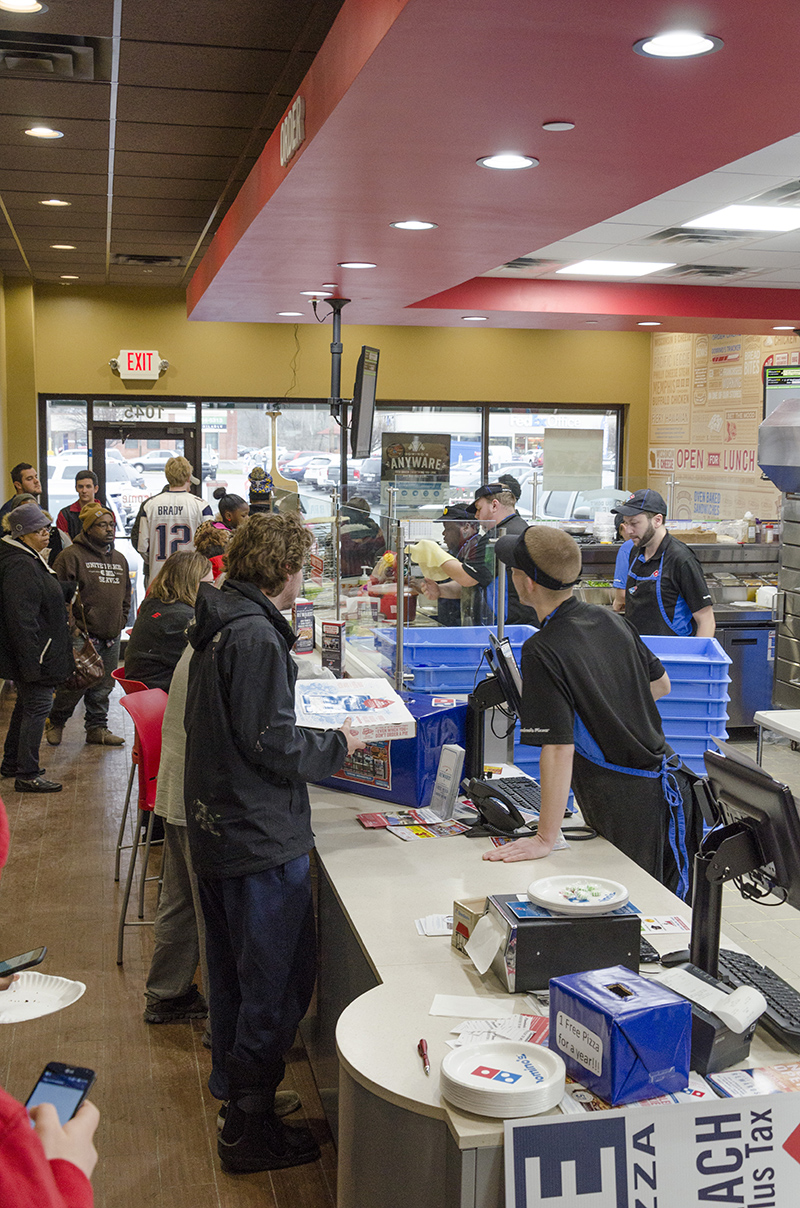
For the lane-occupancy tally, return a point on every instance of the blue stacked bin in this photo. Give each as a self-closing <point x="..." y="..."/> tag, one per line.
<point x="446" y="660"/>
<point x="695" y="712"/>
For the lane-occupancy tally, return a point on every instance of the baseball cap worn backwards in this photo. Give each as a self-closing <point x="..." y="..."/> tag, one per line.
<point x="548" y="556"/>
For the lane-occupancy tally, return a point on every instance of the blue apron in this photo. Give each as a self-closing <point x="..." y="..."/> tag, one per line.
<point x="681" y="623"/>
<point x="586" y="746"/>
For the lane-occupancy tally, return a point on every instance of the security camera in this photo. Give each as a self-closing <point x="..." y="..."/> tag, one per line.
<point x="796" y="331"/>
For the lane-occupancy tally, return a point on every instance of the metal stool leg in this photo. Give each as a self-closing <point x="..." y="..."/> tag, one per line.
<point x="128" y="883"/>
<point x="121" y="834"/>
<point x="143" y="879"/>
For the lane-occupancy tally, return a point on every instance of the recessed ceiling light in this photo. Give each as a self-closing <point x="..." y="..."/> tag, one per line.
<point x="553" y="126"/>
<point x="44" y="132"/>
<point x="474" y="318"/>
<point x="648" y="323"/>
<point x="23" y="6"/>
<point x="54" y="201"/>
<point x="63" y="247"/>
<point x="592" y="322"/>
<point x="356" y="264"/>
<point x="316" y="293"/>
<point x="613" y="268"/>
<point x="414" y="224"/>
<point x="290" y="314"/>
<point x="783" y="329"/>
<point x="69" y="277"/>
<point x="680" y="44"/>
<point x="750" y="218"/>
<point x="329" y="285"/>
<point x="508" y="161"/>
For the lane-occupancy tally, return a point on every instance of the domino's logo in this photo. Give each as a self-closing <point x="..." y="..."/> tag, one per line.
<point x="572" y="1164"/>
<point x="486" y="1071"/>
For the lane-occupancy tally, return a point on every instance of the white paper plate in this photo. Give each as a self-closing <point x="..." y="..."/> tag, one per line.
<point x="37" y="994"/>
<point x="578" y="894"/>
<point x="503" y="1078"/>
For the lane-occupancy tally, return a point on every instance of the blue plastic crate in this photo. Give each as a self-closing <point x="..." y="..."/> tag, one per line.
<point x="716" y="689"/>
<point x="688" y="708"/>
<point x="689" y="658"/>
<point x="435" y="646"/>
<point x="693" y="727"/>
<point x="692" y="746"/>
<point x="444" y="679"/>
<point x="695" y="763"/>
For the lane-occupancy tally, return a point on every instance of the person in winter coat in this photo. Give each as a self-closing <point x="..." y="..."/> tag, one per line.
<point x="47" y="1166"/>
<point x="158" y="637"/>
<point x="35" y="642"/>
<point x="101" y="609"/>
<point x="249" y="824"/>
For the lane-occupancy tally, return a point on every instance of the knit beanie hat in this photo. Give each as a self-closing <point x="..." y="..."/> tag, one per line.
<point x="91" y="512"/>
<point x="28" y="518"/>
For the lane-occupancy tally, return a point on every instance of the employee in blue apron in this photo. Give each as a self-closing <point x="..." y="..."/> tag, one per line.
<point x="589" y="687"/>
<point x="665" y="591"/>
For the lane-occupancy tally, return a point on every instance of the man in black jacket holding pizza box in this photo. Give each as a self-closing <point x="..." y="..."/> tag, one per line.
<point x="249" y="823"/>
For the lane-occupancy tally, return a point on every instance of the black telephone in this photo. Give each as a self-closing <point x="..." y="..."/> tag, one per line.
<point x="499" y="814"/>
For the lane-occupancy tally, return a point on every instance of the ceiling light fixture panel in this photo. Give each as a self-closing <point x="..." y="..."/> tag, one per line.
<point x="356" y="264"/>
<point x="749" y="218"/>
<point x="414" y="224"/>
<point x="613" y="268"/>
<point x="55" y="201"/>
<point x="554" y="127"/>
<point x="44" y="132"/>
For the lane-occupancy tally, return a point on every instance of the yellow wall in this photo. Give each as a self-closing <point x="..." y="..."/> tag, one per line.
<point x="72" y="333"/>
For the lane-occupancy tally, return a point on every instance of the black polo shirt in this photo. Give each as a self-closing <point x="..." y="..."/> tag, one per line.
<point x="589" y="660"/>
<point x="675" y="566"/>
<point x="483" y="567"/>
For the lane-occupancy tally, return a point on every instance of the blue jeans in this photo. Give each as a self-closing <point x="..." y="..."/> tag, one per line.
<point x="95" y="697"/>
<point x="25" y="730"/>
<point x="261" y="952"/>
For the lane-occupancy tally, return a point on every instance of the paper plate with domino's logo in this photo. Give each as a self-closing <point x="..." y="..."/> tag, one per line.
<point x="503" y="1078"/>
<point x="35" y="994"/>
<point x="578" y="895"/>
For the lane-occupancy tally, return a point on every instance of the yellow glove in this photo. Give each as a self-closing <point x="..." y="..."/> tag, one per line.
<point x="429" y="558"/>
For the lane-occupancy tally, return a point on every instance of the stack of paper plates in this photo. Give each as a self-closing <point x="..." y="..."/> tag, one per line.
<point x="578" y="894"/>
<point x="36" y="994"/>
<point x="503" y="1078"/>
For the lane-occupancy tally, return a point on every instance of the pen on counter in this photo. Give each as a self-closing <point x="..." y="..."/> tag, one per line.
<point x="422" y="1049"/>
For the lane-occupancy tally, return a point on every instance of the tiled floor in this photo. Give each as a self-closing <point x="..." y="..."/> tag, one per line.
<point x="157" y="1136"/>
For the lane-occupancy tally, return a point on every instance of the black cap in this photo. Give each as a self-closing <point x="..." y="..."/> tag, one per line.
<point x="486" y="492"/>
<point x="642" y="501"/>
<point x="455" y="511"/>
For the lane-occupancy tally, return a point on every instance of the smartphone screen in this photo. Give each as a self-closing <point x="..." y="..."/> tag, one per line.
<point x="26" y="960"/>
<point x="65" y="1086"/>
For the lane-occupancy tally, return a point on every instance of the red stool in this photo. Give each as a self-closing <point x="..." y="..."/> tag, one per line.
<point x="147" y="710"/>
<point x="127" y="686"/>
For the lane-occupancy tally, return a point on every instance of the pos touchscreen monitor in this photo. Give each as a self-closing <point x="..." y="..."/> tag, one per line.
<point x="501" y="659"/>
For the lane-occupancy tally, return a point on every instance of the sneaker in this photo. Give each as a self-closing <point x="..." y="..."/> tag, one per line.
<point x="103" y="737"/>
<point x="37" y="785"/>
<point x="53" y="733"/>
<point x="286" y="1102"/>
<point x="190" y="1005"/>
<point x="261" y="1141"/>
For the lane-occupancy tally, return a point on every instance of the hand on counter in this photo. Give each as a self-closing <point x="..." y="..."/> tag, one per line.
<point x="521" y="849"/>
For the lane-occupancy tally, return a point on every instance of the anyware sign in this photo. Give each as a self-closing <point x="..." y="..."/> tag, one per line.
<point x="741" y="1152"/>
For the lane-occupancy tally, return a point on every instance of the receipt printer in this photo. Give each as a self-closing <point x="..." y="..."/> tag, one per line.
<point x="538" y="945"/>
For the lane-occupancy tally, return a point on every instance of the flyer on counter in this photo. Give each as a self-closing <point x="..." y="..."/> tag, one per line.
<point x="374" y="708"/>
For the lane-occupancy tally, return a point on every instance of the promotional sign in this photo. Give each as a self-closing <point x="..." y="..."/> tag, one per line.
<point x="743" y="1151"/>
<point x="418" y="466"/>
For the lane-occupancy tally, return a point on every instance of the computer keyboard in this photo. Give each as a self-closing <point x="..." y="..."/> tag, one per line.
<point x="520" y="791"/>
<point x="782" y="1016"/>
<point x="648" y="954"/>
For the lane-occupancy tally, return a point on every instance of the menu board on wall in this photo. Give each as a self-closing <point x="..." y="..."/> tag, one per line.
<point x="705" y="408"/>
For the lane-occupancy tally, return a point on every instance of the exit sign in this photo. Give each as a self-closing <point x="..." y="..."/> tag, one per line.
<point x="145" y="364"/>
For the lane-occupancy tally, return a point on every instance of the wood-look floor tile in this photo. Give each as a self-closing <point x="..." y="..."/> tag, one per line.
<point x="157" y="1138"/>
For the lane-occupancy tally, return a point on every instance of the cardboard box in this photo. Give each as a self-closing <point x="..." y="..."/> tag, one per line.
<point x="375" y="710"/>
<point x="465" y="915"/>
<point x="620" y="1035"/>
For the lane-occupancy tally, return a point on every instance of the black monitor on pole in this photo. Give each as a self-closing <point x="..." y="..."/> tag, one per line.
<point x="363" y="410"/>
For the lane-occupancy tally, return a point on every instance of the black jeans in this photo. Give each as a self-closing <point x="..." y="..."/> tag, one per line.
<point x="25" y="730"/>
